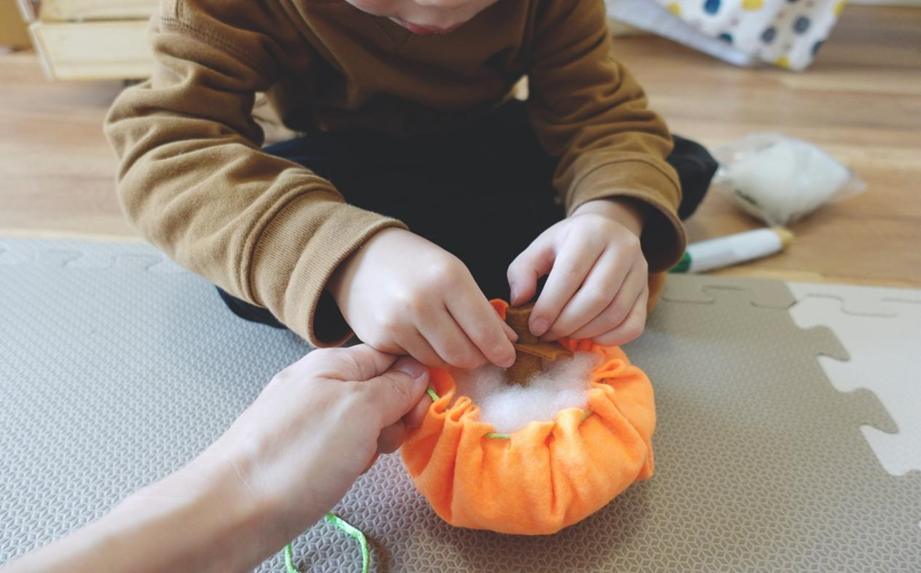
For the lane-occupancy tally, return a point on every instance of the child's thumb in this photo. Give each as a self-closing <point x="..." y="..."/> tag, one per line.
<point x="524" y="272"/>
<point x="398" y="390"/>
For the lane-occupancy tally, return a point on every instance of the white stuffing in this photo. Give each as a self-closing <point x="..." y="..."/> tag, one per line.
<point x="509" y="407"/>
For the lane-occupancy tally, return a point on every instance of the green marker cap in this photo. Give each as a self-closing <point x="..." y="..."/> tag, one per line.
<point x="683" y="265"/>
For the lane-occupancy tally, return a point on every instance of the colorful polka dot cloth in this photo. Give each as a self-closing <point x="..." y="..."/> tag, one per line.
<point x="786" y="33"/>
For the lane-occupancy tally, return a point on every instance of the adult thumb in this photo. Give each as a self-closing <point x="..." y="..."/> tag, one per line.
<point x="397" y="391"/>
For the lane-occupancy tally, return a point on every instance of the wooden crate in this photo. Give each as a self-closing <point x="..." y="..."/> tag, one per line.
<point x="91" y="39"/>
<point x="116" y="49"/>
<point x="13" y="32"/>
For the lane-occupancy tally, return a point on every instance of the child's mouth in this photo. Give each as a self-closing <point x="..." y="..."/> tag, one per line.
<point x="423" y="30"/>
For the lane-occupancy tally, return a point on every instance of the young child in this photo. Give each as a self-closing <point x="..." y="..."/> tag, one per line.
<point x="421" y="186"/>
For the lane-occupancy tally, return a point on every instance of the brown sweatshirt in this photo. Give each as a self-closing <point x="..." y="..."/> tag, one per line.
<point x="193" y="179"/>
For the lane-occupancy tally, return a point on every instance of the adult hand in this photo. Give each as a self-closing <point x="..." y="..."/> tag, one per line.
<point x="317" y="426"/>
<point x="279" y="468"/>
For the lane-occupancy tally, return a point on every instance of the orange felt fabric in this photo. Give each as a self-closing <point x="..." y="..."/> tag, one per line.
<point x="547" y="475"/>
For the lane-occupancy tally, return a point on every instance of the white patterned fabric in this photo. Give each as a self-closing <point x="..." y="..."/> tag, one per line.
<point x="786" y="33"/>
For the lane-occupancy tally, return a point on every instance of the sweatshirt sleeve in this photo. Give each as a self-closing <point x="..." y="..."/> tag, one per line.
<point x="192" y="177"/>
<point x="589" y="111"/>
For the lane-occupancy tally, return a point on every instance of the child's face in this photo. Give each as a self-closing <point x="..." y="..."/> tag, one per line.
<point x="424" y="16"/>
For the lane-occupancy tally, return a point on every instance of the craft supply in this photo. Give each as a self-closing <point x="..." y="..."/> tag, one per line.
<point x="544" y="476"/>
<point x="780" y="179"/>
<point x="344" y="526"/>
<point x="733" y="249"/>
<point x="510" y="407"/>
<point x="530" y="351"/>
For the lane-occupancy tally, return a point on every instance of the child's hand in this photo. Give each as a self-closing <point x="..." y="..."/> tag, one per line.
<point x="402" y="294"/>
<point x="598" y="283"/>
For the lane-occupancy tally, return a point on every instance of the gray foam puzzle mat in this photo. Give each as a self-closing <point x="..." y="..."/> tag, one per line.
<point x="881" y="328"/>
<point x="117" y="367"/>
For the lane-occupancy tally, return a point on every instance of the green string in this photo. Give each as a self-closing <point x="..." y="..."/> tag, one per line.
<point x="289" y="560"/>
<point x="346" y="527"/>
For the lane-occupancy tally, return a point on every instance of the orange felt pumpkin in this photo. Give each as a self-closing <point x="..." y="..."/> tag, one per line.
<point x="547" y="475"/>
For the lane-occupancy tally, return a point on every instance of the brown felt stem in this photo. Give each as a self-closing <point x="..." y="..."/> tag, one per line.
<point x="531" y="352"/>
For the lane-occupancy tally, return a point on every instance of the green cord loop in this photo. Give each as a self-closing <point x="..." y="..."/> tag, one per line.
<point x="346" y="527"/>
<point x="289" y="560"/>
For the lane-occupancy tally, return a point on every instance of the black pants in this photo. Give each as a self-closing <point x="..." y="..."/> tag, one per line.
<point x="482" y="193"/>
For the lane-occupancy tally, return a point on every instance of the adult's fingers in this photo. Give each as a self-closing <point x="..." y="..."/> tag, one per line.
<point x="357" y="363"/>
<point x="482" y="326"/>
<point x="415" y="417"/>
<point x="396" y="392"/>
<point x="391" y="437"/>
<point x="616" y="310"/>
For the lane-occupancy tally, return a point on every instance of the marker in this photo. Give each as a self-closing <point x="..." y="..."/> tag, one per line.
<point x="732" y="250"/>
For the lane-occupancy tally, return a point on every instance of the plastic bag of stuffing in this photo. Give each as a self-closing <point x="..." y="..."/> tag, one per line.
<point x="587" y="441"/>
<point x="780" y="179"/>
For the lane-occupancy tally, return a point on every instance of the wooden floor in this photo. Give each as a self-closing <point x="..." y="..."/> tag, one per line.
<point x="861" y="101"/>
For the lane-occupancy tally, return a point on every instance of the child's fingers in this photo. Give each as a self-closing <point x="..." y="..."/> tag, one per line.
<point x="600" y="289"/>
<point x="617" y="310"/>
<point x="448" y="339"/>
<point x="417" y="347"/>
<point x="533" y="263"/>
<point x="572" y="265"/>
<point x="631" y="328"/>
<point x="479" y="321"/>
<point x="510" y="332"/>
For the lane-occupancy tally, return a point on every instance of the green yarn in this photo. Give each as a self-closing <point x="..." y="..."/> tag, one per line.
<point x="357" y="535"/>
<point x="346" y="527"/>
<point x="289" y="560"/>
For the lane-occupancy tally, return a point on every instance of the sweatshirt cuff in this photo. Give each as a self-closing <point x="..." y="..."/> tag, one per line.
<point x="298" y="251"/>
<point x="648" y="182"/>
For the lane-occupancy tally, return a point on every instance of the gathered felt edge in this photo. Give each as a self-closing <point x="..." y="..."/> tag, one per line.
<point x="501" y="435"/>
<point x="610" y="368"/>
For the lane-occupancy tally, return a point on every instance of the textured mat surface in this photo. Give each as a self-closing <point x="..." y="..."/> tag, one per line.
<point x="881" y="329"/>
<point x="117" y="367"/>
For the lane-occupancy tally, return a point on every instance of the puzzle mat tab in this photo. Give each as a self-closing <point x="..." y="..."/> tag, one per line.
<point x="118" y="367"/>
<point x="881" y="329"/>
